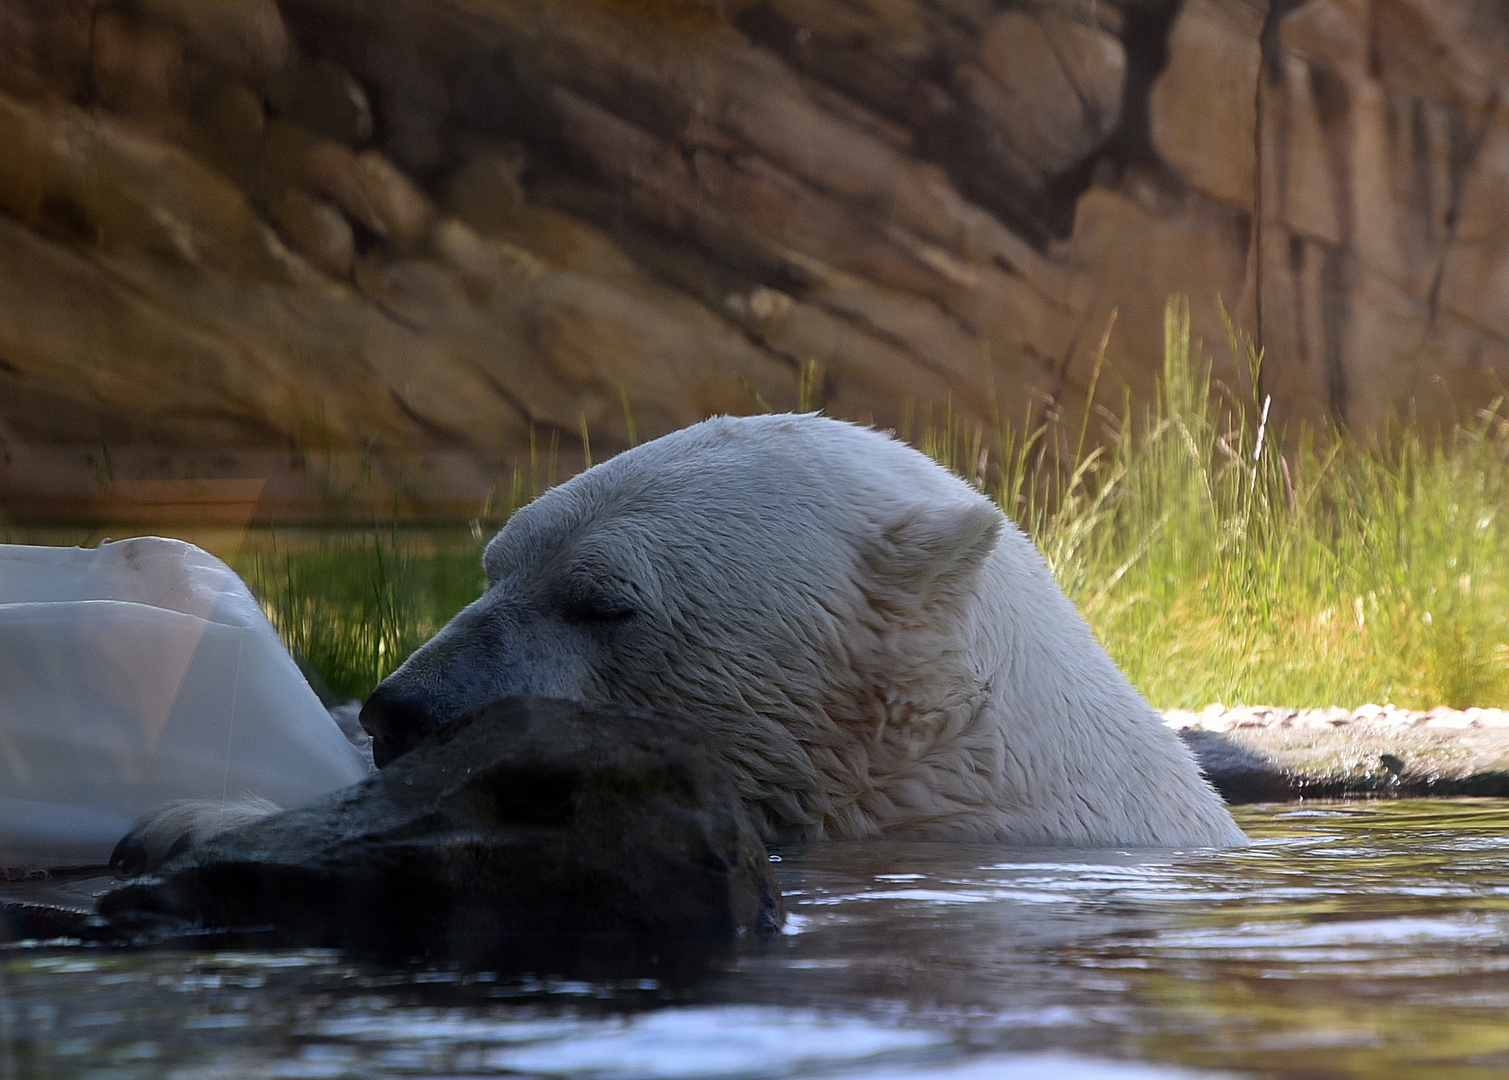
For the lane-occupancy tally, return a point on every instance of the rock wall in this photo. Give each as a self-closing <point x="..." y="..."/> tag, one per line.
<point x="332" y="243"/>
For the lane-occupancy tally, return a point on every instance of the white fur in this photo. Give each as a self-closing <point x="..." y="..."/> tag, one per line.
<point x="167" y="831"/>
<point x="874" y="648"/>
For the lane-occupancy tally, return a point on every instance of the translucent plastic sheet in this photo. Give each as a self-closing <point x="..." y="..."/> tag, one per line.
<point x="135" y="673"/>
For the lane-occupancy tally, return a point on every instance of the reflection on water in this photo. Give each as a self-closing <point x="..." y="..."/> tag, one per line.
<point x="1352" y="940"/>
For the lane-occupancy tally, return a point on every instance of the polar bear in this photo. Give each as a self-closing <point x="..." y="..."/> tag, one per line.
<point x="874" y="648"/>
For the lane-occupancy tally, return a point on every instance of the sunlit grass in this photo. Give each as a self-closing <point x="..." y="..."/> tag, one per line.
<point x="352" y="604"/>
<point x="1219" y="562"/>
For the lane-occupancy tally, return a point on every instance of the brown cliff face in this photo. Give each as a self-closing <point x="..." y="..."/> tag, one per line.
<point x="240" y="235"/>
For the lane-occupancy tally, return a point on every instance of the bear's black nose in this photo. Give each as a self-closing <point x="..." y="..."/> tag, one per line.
<point x="396" y="723"/>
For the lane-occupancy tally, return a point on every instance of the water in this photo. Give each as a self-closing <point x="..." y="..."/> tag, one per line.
<point x="1350" y="940"/>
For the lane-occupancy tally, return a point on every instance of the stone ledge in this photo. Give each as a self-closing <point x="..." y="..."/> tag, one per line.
<point x="1263" y="754"/>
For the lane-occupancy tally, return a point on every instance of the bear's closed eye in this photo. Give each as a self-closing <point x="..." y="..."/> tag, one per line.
<point x="601" y="602"/>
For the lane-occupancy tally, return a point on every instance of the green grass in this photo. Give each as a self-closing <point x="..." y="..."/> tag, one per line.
<point x="351" y="605"/>
<point x="1216" y="560"/>
<point x="1219" y="562"/>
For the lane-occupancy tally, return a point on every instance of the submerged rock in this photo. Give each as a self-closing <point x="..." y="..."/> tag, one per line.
<point x="531" y="821"/>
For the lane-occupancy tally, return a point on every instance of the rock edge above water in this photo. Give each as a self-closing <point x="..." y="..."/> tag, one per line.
<point x="1267" y="754"/>
<point x="531" y="820"/>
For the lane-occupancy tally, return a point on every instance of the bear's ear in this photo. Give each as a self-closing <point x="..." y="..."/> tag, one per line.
<point x="930" y="554"/>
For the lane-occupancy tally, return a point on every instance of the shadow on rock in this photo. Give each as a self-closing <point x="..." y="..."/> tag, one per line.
<point x="1276" y="756"/>
<point x="1239" y="773"/>
<point x="535" y="834"/>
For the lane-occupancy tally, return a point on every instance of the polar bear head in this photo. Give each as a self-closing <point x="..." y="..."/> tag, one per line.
<point x="797" y="584"/>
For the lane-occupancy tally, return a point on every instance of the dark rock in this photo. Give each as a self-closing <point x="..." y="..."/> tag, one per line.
<point x="39" y="922"/>
<point x="323" y="97"/>
<point x="532" y="829"/>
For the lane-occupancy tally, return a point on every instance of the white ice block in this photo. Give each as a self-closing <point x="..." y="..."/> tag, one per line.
<point x="138" y="672"/>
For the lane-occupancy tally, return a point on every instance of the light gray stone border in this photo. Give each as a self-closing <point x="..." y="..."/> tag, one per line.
<point x="1263" y="753"/>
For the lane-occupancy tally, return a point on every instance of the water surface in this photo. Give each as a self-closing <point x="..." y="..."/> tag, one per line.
<point x="1350" y="940"/>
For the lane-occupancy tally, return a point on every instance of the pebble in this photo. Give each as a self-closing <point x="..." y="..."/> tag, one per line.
<point x="1219" y="717"/>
